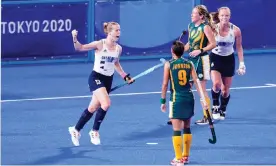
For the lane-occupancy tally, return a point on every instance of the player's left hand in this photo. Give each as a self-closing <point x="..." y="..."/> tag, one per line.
<point x="128" y="79"/>
<point x="74" y="33"/>
<point x="242" y="69"/>
<point x="163" y="107"/>
<point x="194" y="53"/>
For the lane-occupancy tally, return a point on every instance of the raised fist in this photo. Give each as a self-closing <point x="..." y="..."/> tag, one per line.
<point x="74" y="33"/>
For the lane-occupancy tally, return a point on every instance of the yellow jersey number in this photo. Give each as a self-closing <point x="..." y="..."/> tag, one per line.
<point x="182" y="77"/>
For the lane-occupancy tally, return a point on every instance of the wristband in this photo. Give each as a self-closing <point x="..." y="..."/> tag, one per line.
<point x="127" y="77"/>
<point x="123" y="75"/>
<point x="162" y="101"/>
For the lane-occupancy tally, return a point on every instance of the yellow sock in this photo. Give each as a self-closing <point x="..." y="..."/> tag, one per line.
<point x="209" y="103"/>
<point x="187" y="141"/>
<point x="177" y="144"/>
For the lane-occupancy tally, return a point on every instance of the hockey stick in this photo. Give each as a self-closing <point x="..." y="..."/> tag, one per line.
<point x="141" y="74"/>
<point x="184" y="32"/>
<point x="211" y="125"/>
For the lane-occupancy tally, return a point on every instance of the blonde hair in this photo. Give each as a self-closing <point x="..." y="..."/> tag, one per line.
<point x="224" y="7"/>
<point x="107" y="26"/>
<point x="203" y="11"/>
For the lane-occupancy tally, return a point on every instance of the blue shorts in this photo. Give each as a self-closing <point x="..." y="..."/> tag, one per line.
<point x="97" y="80"/>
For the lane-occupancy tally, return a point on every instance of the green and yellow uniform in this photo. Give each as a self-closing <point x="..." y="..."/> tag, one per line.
<point x="197" y="41"/>
<point x="181" y="97"/>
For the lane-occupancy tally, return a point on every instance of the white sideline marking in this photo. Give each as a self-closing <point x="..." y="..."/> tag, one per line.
<point x="271" y="84"/>
<point x="127" y="94"/>
<point x="152" y="143"/>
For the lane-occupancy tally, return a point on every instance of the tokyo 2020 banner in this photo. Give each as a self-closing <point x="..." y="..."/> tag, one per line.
<point x="42" y="30"/>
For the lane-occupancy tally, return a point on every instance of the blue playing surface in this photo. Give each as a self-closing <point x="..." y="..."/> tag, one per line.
<point x="39" y="103"/>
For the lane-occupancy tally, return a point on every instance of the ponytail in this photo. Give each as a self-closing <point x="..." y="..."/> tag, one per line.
<point x="105" y="25"/>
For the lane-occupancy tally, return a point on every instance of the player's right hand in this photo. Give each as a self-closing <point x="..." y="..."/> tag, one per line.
<point x="163" y="107"/>
<point x="74" y="33"/>
<point x="129" y="79"/>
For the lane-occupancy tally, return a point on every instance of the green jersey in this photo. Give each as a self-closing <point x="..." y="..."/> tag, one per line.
<point x="197" y="37"/>
<point x="180" y="73"/>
